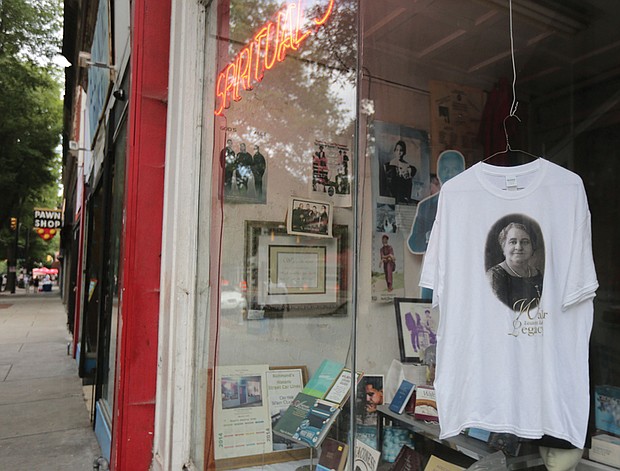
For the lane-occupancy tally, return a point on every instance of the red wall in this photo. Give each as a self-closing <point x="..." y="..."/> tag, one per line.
<point x="134" y="407"/>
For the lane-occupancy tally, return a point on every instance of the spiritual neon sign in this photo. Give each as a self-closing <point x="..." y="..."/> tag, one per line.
<point x="268" y="46"/>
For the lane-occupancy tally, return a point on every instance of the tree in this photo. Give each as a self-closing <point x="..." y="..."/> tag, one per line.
<point x="30" y="110"/>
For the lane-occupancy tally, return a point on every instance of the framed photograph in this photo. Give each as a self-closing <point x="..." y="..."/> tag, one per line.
<point x="401" y="164"/>
<point x="295" y="275"/>
<point x="245" y="172"/>
<point x="309" y="217"/>
<point x="417" y="323"/>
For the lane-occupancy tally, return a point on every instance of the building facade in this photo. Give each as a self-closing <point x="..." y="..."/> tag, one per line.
<point x="250" y="189"/>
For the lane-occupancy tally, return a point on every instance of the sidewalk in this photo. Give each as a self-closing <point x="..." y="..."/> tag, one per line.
<point x="44" y="421"/>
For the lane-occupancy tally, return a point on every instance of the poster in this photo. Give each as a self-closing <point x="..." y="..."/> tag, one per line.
<point x="331" y="173"/>
<point x="245" y="172"/>
<point x="400" y="167"/>
<point x="456" y="111"/>
<point x="242" y="421"/>
<point x="282" y="386"/>
<point x="388" y="275"/>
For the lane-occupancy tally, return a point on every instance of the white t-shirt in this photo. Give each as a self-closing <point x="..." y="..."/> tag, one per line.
<point x="516" y="365"/>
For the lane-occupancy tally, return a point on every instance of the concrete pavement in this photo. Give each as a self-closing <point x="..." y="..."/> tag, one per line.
<point x="44" y="420"/>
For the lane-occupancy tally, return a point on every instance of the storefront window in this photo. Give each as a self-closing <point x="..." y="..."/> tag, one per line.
<point x="337" y="124"/>
<point x="284" y="146"/>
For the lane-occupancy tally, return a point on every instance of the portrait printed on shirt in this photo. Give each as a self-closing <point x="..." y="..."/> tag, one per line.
<point x="515" y="261"/>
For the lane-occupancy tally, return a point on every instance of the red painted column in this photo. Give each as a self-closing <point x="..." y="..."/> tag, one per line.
<point x="134" y="405"/>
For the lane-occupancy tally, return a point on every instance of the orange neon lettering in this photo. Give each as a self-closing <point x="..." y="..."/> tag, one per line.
<point x="220" y="94"/>
<point x="231" y="80"/>
<point x="328" y="13"/>
<point x="300" y="21"/>
<point x="250" y="63"/>
<point x="243" y="70"/>
<point x="286" y="41"/>
<point x="259" y="71"/>
<point x="269" y="64"/>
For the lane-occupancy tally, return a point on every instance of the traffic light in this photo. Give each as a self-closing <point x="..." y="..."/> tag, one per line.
<point x="13" y="224"/>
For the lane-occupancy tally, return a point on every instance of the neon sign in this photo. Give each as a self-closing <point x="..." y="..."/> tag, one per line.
<point x="268" y="46"/>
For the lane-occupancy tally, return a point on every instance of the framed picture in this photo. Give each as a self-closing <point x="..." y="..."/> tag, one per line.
<point x="417" y="323"/>
<point x="295" y="275"/>
<point x="309" y="217"/>
<point x="401" y="164"/>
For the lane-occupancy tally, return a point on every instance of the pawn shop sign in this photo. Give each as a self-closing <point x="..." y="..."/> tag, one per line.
<point x="47" y="222"/>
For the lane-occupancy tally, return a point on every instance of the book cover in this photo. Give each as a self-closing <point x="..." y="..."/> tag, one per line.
<point x="322" y="380"/>
<point x="366" y="457"/>
<point x="402" y="396"/>
<point x="340" y="391"/>
<point x="313" y="428"/>
<point x="333" y="454"/>
<point x="294" y="415"/>
<point x="437" y="464"/>
<point x="408" y="460"/>
<point x="426" y="404"/>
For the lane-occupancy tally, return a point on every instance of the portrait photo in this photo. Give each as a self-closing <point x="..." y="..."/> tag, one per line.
<point x="369" y="396"/>
<point x="515" y="261"/>
<point x="401" y="164"/>
<point x="245" y="173"/>
<point x="309" y="217"/>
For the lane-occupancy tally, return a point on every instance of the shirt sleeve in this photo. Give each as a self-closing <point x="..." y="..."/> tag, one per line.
<point x="581" y="281"/>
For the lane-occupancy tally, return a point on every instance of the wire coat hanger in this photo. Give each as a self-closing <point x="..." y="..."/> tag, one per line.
<point x="515" y="103"/>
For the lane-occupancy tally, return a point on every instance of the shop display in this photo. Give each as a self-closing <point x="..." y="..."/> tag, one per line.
<point x="245" y="172"/>
<point x="366" y="457"/>
<point x="426" y="404"/>
<point x="408" y="460"/>
<point x="290" y="275"/>
<point x="331" y="173"/>
<point x="456" y="111"/>
<point x="333" y="455"/>
<point x="309" y="217"/>
<point x="242" y="412"/>
<point x="323" y="379"/>
<point x="340" y="390"/>
<point x="417" y="321"/>
<point x="532" y="220"/>
<point x="449" y="164"/>
<point x="606" y="449"/>
<point x="283" y="385"/>
<point x="403" y="394"/>
<point x="309" y="417"/>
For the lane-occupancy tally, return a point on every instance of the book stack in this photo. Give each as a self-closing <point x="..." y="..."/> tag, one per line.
<point x="315" y="408"/>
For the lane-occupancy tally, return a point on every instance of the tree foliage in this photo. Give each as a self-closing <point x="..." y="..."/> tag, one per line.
<point x="30" y="110"/>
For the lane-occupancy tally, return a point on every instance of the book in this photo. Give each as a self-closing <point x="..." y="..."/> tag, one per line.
<point x="366" y="457"/>
<point x="402" y="396"/>
<point x="294" y="415"/>
<point x="312" y="430"/>
<point x="340" y="390"/>
<point x="408" y="460"/>
<point x="437" y="464"/>
<point x="323" y="379"/>
<point x="426" y="404"/>
<point x="333" y="454"/>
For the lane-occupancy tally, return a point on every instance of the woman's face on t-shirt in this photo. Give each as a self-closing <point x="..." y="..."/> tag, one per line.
<point x="518" y="246"/>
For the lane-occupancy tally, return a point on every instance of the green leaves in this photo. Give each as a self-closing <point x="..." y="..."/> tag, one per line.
<point x="30" y="106"/>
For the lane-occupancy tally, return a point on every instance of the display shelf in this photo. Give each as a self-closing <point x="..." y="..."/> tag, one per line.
<point x="468" y="446"/>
